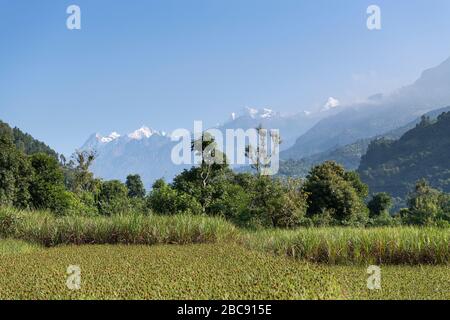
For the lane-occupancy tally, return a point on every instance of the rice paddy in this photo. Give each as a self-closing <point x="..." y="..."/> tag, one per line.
<point x="203" y="271"/>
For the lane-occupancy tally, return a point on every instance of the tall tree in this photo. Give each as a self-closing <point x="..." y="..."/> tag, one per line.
<point x="47" y="186"/>
<point x="212" y="159"/>
<point x="83" y="178"/>
<point x="16" y="174"/>
<point x="262" y="155"/>
<point x="380" y="204"/>
<point x="135" y="186"/>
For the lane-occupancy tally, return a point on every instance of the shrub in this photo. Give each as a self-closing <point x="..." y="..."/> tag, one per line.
<point x="277" y="203"/>
<point x="113" y="198"/>
<point x="232" y="203"/>
<point x="164" y="199"/>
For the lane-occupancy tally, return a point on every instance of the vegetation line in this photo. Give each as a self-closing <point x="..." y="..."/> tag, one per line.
<point x="334" y="246"/>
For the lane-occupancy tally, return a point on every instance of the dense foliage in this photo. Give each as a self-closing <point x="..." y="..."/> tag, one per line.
<point x="328" y="196"/>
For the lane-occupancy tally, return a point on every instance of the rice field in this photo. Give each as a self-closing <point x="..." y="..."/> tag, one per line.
<point x="200" y="271"/>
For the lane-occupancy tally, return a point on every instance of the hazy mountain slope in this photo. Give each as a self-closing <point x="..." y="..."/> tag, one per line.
<point x="349" y="155"/>
<point x="423" y="152"/>
<point x="376" y="116"/>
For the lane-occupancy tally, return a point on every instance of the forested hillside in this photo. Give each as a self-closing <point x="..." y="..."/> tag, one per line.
<point x="25" y="142"/>
<point x="349" y="155"/>
<point x="394" y="166"/>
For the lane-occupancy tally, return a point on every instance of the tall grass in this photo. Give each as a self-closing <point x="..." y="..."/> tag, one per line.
<point x="334" y="246"/>
<point x="44" y="228"/>
<point x="399" y="245"/>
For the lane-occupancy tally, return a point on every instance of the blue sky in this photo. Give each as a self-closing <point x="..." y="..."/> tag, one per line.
<point x="167" y="63"/>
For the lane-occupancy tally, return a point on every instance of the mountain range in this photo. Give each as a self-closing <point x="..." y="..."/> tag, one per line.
<point x="340" y="132"/>
<point x="349" y="155"/>
<point x="376" y="116"/>
<point x="148" y="152"/>
<point x="145" y="151"/>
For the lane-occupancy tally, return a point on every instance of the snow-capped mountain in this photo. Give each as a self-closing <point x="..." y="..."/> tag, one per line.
<point x="145" y="151"/>
<point x="264" y="113"/>
<point x="291" y="126"/>
<point x="143" y="133"/>
<point x="331" y="104"/>
<point x="97" y="140"/>
<point x="148" y="152"/>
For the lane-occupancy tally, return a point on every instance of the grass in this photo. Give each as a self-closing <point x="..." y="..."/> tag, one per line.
<point x="205" y="271"/>
<point x="332" y="246"/>
<point x="397" y="282"/>
<point x="45" y="229"/>
<point x="11" y="246"/>
<point x="344" y="246"/>
<point x="161" y="272"/>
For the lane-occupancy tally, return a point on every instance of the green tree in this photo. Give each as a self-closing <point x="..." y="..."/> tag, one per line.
<point x="425" y="205"/>
<point x="24" y="142"/>
<point x="113" y="198"/>
<point x="47" y="188"/>
<point x="135" y="186"/>
<point x="277" y="203"/>
<point x="335" y="192"/>
<point x="380" y="204"/>
<point x="201" y="182"/>
<point x="164" y="199"/>
<point x="83" y="179"/>
<point x="262" y="155"/>
<point x="212" y="159"/>
<point x="15" y="174"/>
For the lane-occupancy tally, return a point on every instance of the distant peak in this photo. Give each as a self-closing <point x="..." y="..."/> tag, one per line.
<point x="143" y="132"/>
<point x="331" y="104"/>
<point x="254" y="113"/>
<point x="111" y="137"/>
